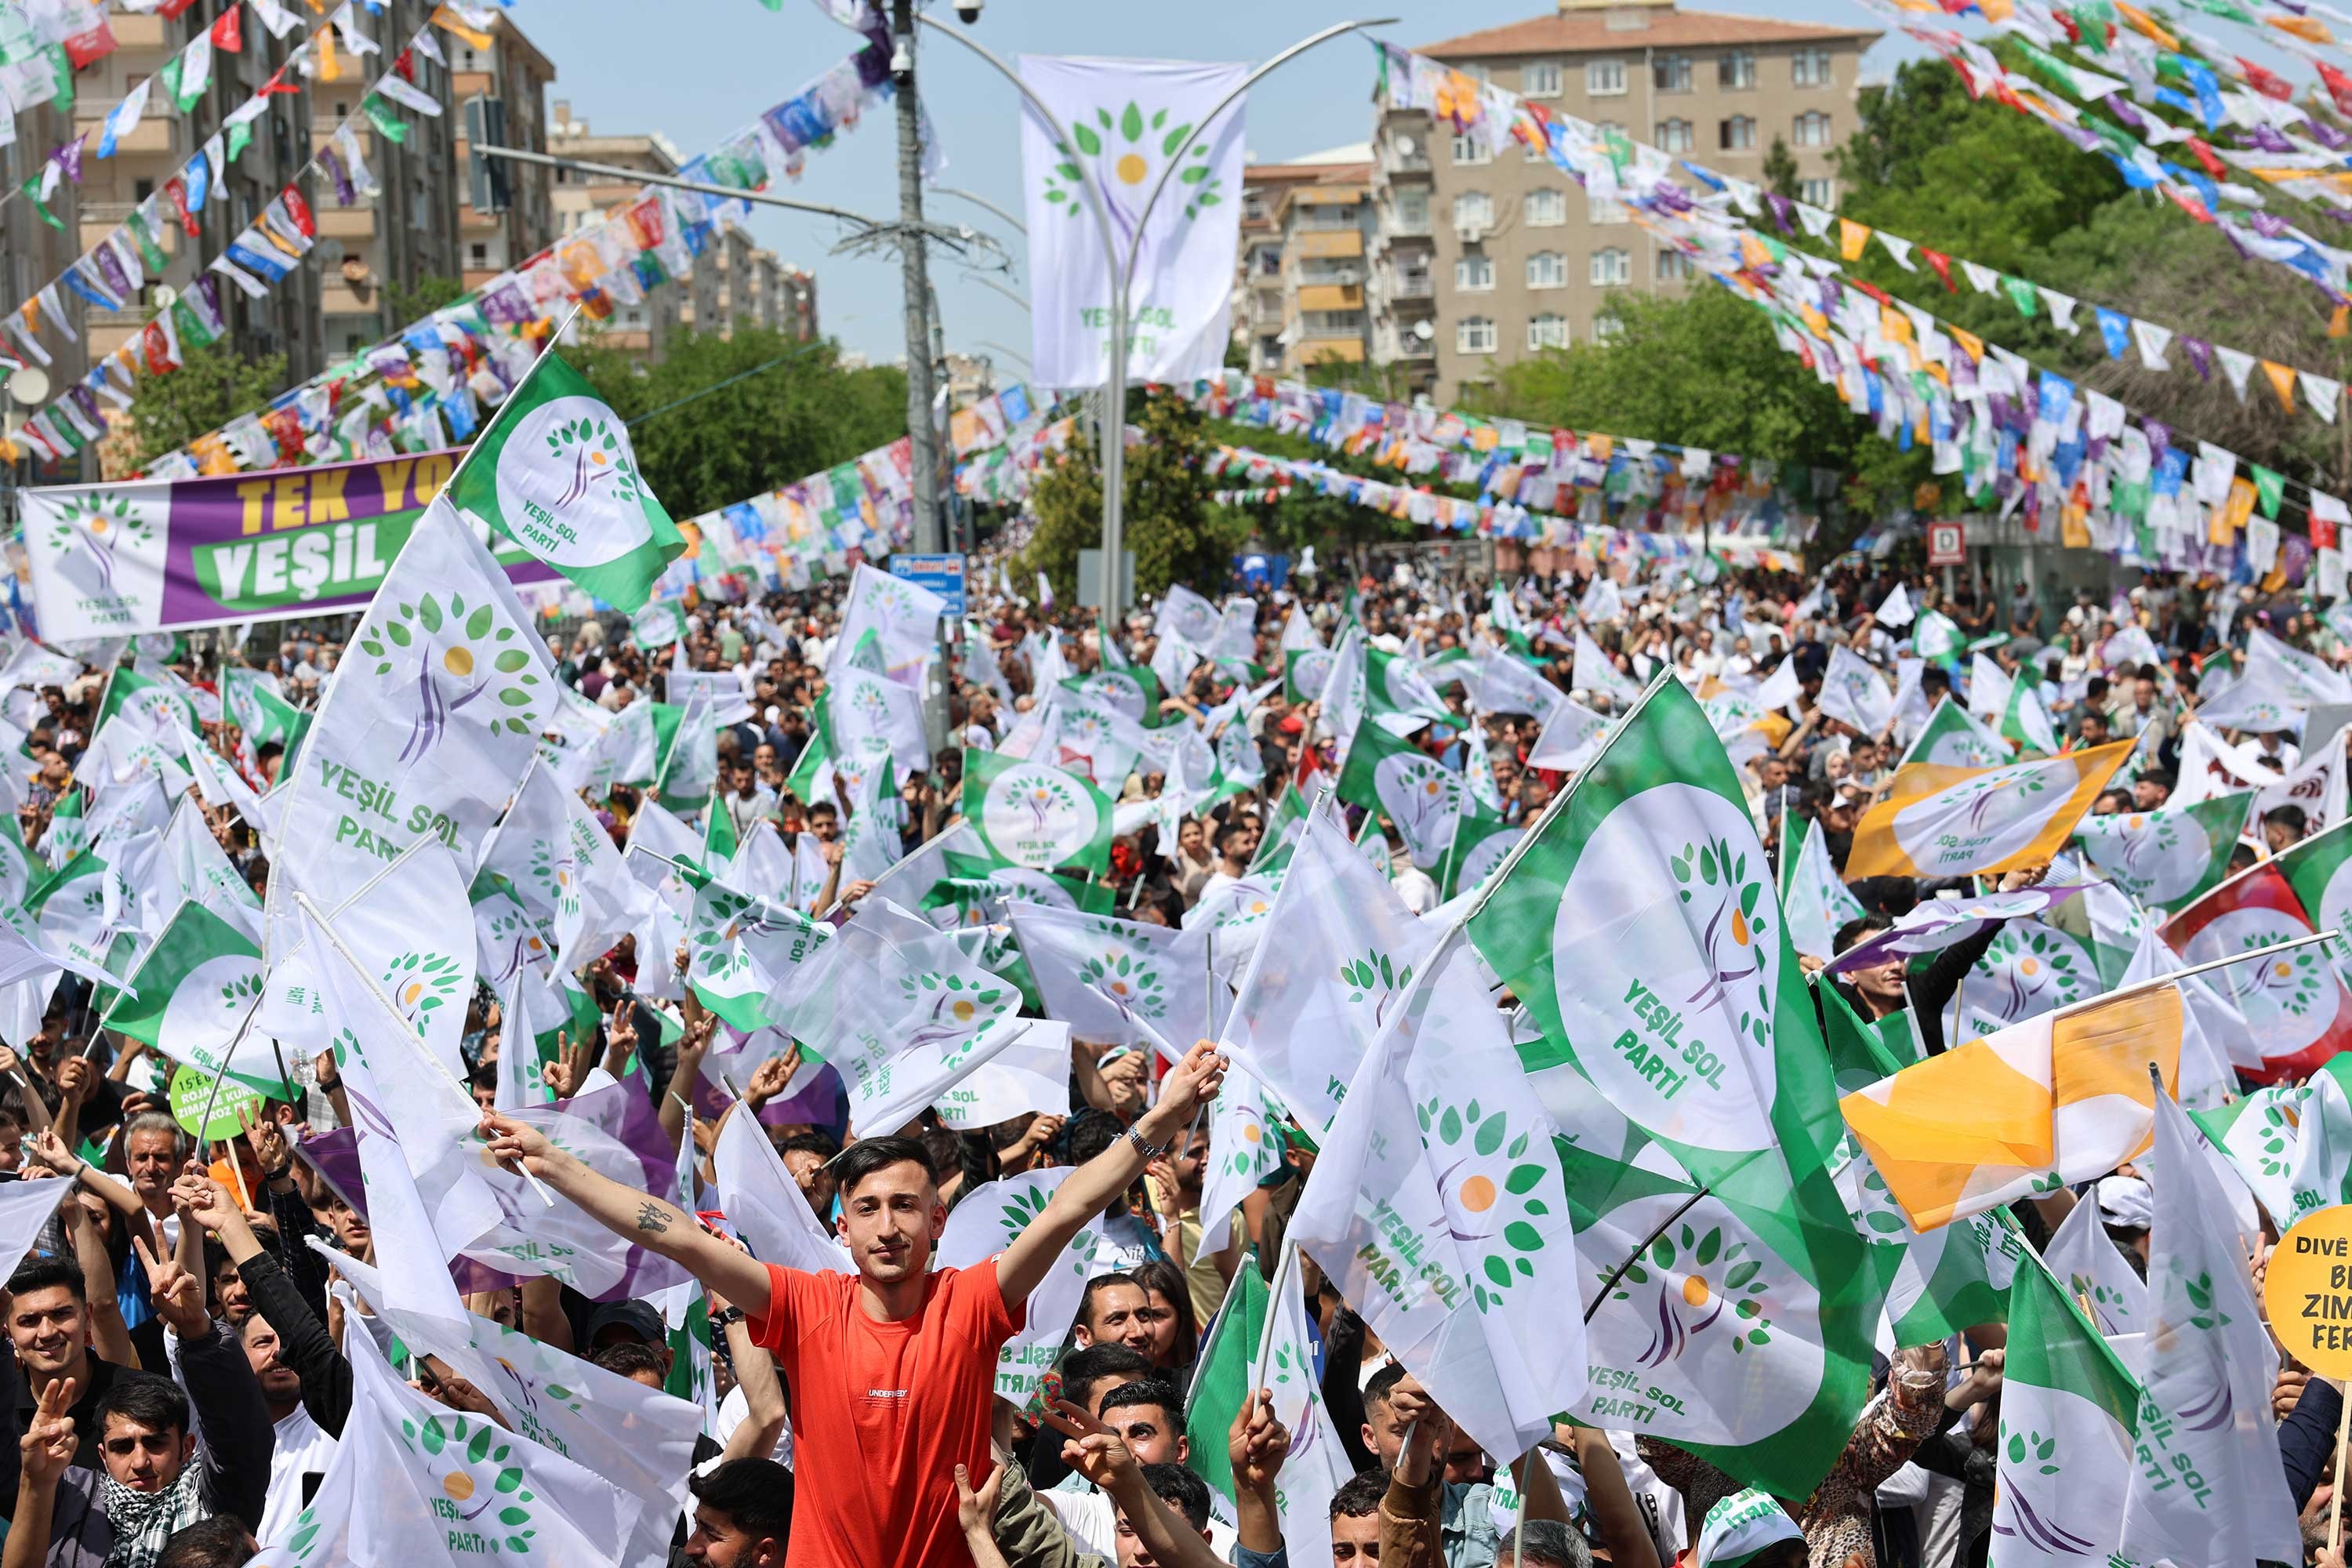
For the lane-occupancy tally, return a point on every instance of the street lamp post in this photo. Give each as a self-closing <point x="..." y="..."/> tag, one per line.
<point x="1113" y="424"/>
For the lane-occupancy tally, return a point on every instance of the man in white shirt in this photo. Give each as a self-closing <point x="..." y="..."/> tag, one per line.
<point x="302" y="1445"/>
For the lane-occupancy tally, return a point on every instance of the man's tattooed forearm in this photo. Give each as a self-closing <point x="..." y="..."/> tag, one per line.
<point x="653" y="1217"/>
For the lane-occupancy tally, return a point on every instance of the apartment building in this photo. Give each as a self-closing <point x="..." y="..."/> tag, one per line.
<point x="1479" y="259"/>
<point x="380" y="261"/>
<point x="578" y="199"/>
<point x="33" y="254"/>
<point x="736" y="282"/>
<point x="1268" y="319"/>
<point x="506" y="213"/>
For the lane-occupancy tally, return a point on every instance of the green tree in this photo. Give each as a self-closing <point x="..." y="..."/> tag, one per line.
<point x="1178" y="534"/>
<point x="789" y="409"/>
<point x="407" y="303"/>
<point x="212" y="386"/>
<point x="1780" y="170"/>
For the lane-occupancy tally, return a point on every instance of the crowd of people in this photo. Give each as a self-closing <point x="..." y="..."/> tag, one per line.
<point x="177" y="1365"/>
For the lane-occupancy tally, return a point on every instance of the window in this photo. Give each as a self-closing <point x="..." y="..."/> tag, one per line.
<point x="1546" y="269"/>
<point x="1670" y="73"/>
<point x="1547" y="332"/>
<point x="1604" y="78"/>
<point x="1472" y="150"/>
<point x="1473" y="335"/>
<point x="1540" y="79"/>
<point x="1412" y="212"/>
<point x="1674" y="267"/>
<point x="1607" y="329"/>
<point x="1736" y="67"/>
<point x="1334" y="324"/>
<point x="480" y="253"/>
<point x="1269" y="261"/>
<point x="1813" y="128"/>
<point x="1475" y="274"/>
<point x="1817" y="193"/>
<point x="1474" y="209"/>
<point x="1738" y="133"/>
<point x="1546" y="209"/>
<point x="142" y="189"/>
<point x="1252" y="206"/>
<point x="1612" y="267"/>
<point x="1604" y="210"/>
<point x="1673" y="135"/>
<point x="1811" y="68"/>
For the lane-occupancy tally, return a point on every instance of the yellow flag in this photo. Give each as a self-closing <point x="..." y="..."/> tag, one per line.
<point x="1940" y="821"/>
<point x="1852" y="237"/>
<point x="2058" y="1099"/>
<point x="2281" y="382"/>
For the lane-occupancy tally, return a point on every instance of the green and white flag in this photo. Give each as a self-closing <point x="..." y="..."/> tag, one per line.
<point x="1596" y="676"/>
<point x="256" y="707"/>
<point x="870" y="715"/>
<point x="690" y="771"/>
<point x="1305" y="672"/>
<point x="1312" y="1003"/>
<point x="985" y="1222"/>
<point x="685" y="1313"/>
<point x="158" y="704"/>
<point x="1955" y="738"/>
<point x="1118" y="982"/>
<point x="1220" y="1377"/>
<point x="555" y="473"/>
<point x="1396" y="779"/>
<point x="1132" y="690"/>
<point x="194" y="990"/>
<point x="1030" y="815"/>
<point x="1394" y="684"/>
<point x="1481" y="840"/>
<point x="657" y="624"/>
<point x="1245" y="1144"/>
<point x="1641" y="930"/>
<point x="2094" y="1270"/>
<point x="1935" y="638"/>
<point x="1437" y="1205"/>
<point x="1316" y="1466"/>
<point x="2209" y="1486"/>
<point x="2259" y="1135"/>
<point x="2068" y="1412"/>
<point x="2024" y="719"/>
<point x="1817" y="903"/>
<point x="2169" y="858"/>
<point x="2319" y="869"/>
<point x="740" y="948"/>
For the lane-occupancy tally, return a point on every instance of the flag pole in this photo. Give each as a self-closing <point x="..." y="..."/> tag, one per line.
<point x="537" y="360"/>
<point x="2209" y="966"/>
<point x="1634" y="1257"/>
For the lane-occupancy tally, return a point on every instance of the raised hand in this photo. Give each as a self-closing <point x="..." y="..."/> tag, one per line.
<point x="517" y="1145"/>
<point x="49" y="1151"/>
<point x="204" y="1201"/>
<point x="975" y="1508"/>
<point x="1194" y="1081"/>
<point x="178" y="1295"/>
<point x="269" y="1139"/>
<point x="569" y="1070"/>
<point x="47" y="1445"/>
<point x="1256" y="1444"/>
<point x="76" y="1075"/>
<point x="771" y="1078"/>
<point x="1095" y="1451"/>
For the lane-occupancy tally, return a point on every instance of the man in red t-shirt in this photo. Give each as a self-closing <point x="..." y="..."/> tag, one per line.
<point x="891" y="1370"/>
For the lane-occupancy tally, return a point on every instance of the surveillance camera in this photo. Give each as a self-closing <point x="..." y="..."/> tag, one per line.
<point x="968" y="11"/>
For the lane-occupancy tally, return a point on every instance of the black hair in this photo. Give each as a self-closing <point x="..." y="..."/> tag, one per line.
<point x="869" y="1155"/>
<point x="220" y="1541"/>
<point x="756" y="1496"/>
<point x="154" y="1402"/>
<point x="1857" y="929"/>
<point x="820" y="1144"/>
<point x="1181" y="1489"/>
<point x="1381" y="1382"/>
<point x="2289" y="816"/>
<point x="1359" y="1495"/>
<point x="486" y="1073"/>
<point x="1157" y="1274"/>
<point x="1081" y="1370"/>
<point x="629" y="1357"/>
<point x="43" y="1273"/>
<point x="1143" y="1391"/>
<point x="1090" y="1132"/>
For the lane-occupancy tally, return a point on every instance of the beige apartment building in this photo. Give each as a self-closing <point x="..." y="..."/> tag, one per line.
<point x="1299" y="279"/>
<point x="579" y="199"/>
<point x="1478" y="260"/>
<point x="506" y="213"/>
<point x="737" y="282"/>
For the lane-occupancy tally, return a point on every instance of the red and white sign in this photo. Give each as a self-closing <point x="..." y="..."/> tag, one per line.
<point x="1947" y="544"/>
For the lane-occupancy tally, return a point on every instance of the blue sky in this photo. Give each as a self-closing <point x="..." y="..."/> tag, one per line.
<point x="697" y="80"/>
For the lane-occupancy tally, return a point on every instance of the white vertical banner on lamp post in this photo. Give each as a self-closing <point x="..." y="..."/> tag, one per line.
<point x="1128" y="121"/>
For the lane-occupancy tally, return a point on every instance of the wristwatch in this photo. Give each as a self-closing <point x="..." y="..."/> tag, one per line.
<point x="1150" y="1151"/>
<point x="730" y="1316"/>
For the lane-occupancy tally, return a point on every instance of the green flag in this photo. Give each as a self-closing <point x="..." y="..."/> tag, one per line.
<point x="1221" y="1381"/>
<point x="1396" y="779"/>
<point x="156" y="702"/>
<point x="2171" y="858"/>
<point x="1030" y="815"/>
<point x="190" y="996"/>
<point x="2316" y="869"/>
<point x="1481" y="840"/>
<point x="1680" y="1054"/>
<point x="555" y="473"/>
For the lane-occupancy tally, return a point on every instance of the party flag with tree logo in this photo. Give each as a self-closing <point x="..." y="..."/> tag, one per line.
<point x="1481" y="840"/>
<point x="1316" y="1466"/>
<point x="1396" y="779"/>
<point x="1955" y="738"/>
<point x="254" y="707"/>
<point x="555" y="473"/>
<point x="2068" y="1412"/>
<point x="1816" y="902"/>
<point x="2298" y="1013"/>
<point x="1438" y="1207"/>
<point x="1118" y="982"/>
<point x="1949" y="822"/>
<point x="2169" y="858"/>
<point x="1312" y="1001"/>
<point x="1673" y="1027"/>
<point x="990" y="1219"/>
<point x="162" y="707"/>
<point x="2319" y="869"/>
<point x="191" y="996"/>
<point x="1031" y="815"/>
<point x="740" y="948"/>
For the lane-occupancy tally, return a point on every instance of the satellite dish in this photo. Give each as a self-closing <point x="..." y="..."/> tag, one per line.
<point x="28" y="383"/>
<point x="1407" y="147"/>
<point x="166" y="296"/>
<point x="1423" y="331"/>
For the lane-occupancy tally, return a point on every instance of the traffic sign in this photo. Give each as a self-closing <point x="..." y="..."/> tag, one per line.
<point x="1947" y="544"/>
<point x="942" y="574"/>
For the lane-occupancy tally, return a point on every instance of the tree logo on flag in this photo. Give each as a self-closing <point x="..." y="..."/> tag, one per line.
<point x="1714" y="1282"/>
<point x="1119" y="691"/>
<point x="569" y="463"/>
<point x="1418" y="796"/>
<point x="462" y="656"/>
<point x="1023" y="1208"/>
<point x="497" y="1504"/>
<point x="93" y="527"/>
<point x="510" y="934"/>
<point x="2027" y="970"/>
<point x="1035" y="818"/>
<point x="554" y="877"/>
<point x="949" y="1006"/>
<point x="1310" y="668"/>
<point x="209" y="1002"/>
<point x="1124" y="977"/>
<point x="419" y="983"/>
<point x="1375" y="975"/>
<point x="1489" y="1189"/>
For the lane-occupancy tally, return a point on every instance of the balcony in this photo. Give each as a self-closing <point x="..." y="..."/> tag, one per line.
<point x="1323" y="272"/>
<point x="1331" y="297"/>
<point x="1394" y="159"/>
<point x="1413" y="286"/>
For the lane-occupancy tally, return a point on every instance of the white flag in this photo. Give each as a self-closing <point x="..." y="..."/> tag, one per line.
<point x="990" y="1220"/>
<point x="1596" y="676"/>
<point x="1119" y="982"/>
<point x="2089" y="1264"/>
<point x="1316" y="1466"/>
<point x="1853" y="692"/>
<point x="767" y="1205"/>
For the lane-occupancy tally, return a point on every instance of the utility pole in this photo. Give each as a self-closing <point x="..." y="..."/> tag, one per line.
<point x="917" y="281"/>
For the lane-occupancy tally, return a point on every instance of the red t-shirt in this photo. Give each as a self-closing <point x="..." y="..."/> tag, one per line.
<point x="882" y="1413"/>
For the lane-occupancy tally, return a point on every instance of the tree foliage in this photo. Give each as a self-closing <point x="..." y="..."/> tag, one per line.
<point x="212" y="386"/>
<point x="1177" y="533"/>
<point x="407" y="303"/>
<point x="795" y="410"/>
